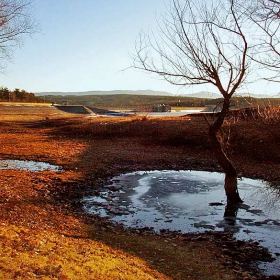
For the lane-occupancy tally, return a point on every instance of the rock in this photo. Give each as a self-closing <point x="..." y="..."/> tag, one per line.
<point x="114" y="188"/>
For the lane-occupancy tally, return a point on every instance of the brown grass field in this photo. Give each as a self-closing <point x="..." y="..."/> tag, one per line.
<point x="45" y="235"/>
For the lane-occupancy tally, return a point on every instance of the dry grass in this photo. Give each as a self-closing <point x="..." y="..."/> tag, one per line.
<point x="43" y="234"/>
<point x="50" y="255"/>
<point x="269" y="114"/>
<point x="29" y="112"/>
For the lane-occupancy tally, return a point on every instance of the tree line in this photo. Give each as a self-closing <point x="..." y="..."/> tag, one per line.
<point x="127" y="100"/>
<point x="17" y="95"/>
<point x="147" y="101"/>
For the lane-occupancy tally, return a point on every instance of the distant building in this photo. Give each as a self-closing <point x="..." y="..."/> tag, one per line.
<point x="161" y="108"/>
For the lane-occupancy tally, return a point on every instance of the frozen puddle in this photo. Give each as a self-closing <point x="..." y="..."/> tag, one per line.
<point x="27" y="165"/>
<point x="192" y="201"/>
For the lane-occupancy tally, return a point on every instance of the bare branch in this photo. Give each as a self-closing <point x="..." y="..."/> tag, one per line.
<point x="15" y="22"/>
<point x="265" y="17"/>
<point x="197" y="43"/>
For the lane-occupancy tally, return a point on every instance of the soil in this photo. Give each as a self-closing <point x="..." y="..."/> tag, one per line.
<point x="91" y="150"/>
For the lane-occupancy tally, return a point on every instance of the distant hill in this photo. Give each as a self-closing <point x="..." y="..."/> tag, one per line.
<point x="146" y="102"/>
<point x="125" y="100"/>
<point x="212" y="95"/>
<point x="201" y="94"/>
<point x="112" y="92"/>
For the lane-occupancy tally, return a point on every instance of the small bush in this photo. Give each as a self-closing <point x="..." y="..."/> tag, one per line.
<point x="269" y="114"/>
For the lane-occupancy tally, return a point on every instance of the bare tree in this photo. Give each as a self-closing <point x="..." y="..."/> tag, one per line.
<point x="15" y="22"/>
<point x="265" y="15"/>
<point x="201" y="42"/>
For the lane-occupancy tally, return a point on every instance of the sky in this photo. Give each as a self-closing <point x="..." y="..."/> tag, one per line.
<point x="84" y="45"/>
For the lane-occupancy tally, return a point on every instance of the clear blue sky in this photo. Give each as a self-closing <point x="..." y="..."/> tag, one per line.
<point x="84" y="45"/>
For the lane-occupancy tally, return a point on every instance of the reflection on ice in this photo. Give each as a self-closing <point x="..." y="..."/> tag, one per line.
<point x="194" y="201"/>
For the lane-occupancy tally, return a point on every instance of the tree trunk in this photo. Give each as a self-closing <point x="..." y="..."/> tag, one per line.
<point x="232" y="190"/>
<point x="231" y="213"/>
<point x="230" y="171"/>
